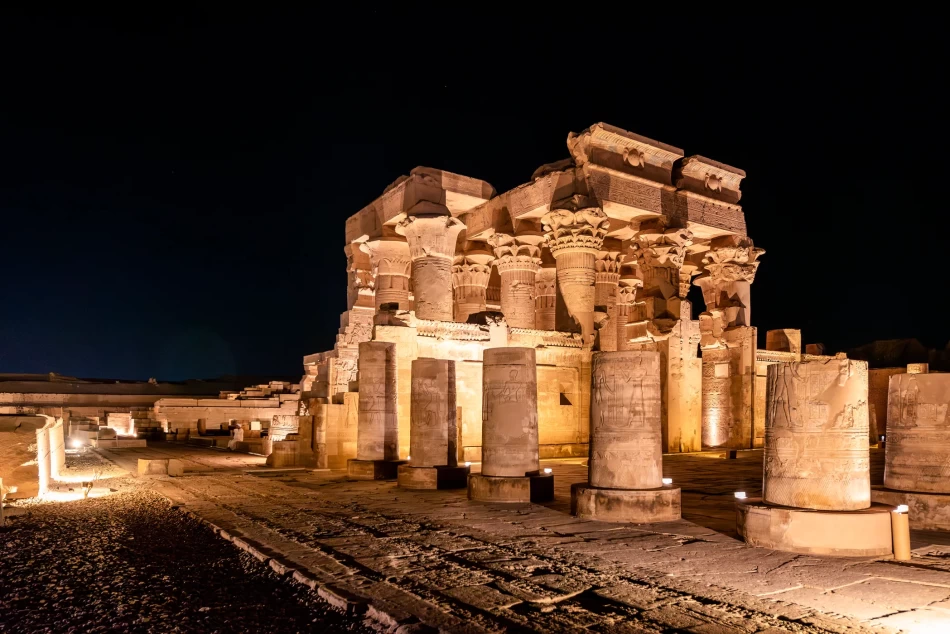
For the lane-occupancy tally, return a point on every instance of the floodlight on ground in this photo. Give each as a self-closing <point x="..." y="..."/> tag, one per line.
<point x="76" y="444"/>
<point x="548" y="471"/>
<point x="468" y="464"/>
<point x="740" y="495"/>
<point x="901" y="508"/>
<point x="667" y="481"/>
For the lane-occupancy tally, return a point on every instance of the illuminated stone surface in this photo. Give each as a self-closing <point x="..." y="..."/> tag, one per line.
<point x="625" y="448"/>
<point x="509" y="412"/>
<point x="377" y="433"/>
<point x="816" y="450"/>
<point x="626" y="460"/>
<point x="431" y="241"/>
<point x="918" y="433"/>
<point x="575" y="235"/>
<point x="518" y="259"/>
<point x="433" y="431"/>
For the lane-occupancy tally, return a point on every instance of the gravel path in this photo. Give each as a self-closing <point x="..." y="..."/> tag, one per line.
<point x="129" y="562"/>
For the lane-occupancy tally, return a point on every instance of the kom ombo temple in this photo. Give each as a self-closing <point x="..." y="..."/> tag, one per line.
<point x="595" y="252"/>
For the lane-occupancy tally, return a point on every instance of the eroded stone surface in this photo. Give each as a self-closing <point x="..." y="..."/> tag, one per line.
<point x="433" y="432"/>
<point x="377" y="436"/>
<point x="509" y="412"/>
<point x="816" y="451"/>
<point x="625" y="420"/>
<point x="918" y="433"/>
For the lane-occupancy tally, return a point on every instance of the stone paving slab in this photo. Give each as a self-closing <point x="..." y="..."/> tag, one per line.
<point x="449" y="563"/>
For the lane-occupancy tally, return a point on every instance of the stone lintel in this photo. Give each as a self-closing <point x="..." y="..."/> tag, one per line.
<point x="707" y="217"/>
<point x="701" y="175"/>
<point x="618" y="149"/>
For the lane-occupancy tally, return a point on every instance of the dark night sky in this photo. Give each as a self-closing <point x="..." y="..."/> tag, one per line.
<point x="173" y="187"/>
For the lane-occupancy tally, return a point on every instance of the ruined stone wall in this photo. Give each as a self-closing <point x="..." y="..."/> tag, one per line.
<point x="184" y="413"/>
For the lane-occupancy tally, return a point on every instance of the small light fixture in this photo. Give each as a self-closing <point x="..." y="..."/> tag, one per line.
<point x="901" y="508"/>
<point x="468" y="464"/>
<point x="740" y="495"/>
<point x="881" y="437"/>
<point x="667" y="481"/>
<point x="548" y="471"/>
<point x="76" y="444"/>
<point x="408" y="457"/>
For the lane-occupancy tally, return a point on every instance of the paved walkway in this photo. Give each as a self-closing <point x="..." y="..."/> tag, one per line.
<point x="436" y="558"/>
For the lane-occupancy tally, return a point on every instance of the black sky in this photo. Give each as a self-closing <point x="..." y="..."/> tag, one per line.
<point x="173" y="187"/>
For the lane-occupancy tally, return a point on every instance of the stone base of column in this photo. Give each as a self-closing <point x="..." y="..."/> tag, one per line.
<point x="638" y="506"/>
<point x="928" y="511"/>
<point x="864" y="533"/>
<point x="372" y="469"/>
<point x="537" y="488"/>
<point x="442" y="477"/>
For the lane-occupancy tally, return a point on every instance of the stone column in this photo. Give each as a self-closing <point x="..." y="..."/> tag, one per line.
<point x="606" y="280"/>
<point x="816" y="435"/>
<point x="433" y="443"/>
<point x="918" y="438"/>
<point x="518" y="259"/>
<point x="470" y="274"/>
<point x="319" y="409"/>
<point x="917" y="454"/>
<point x="575" y="236"/>
<point x="816" y="479"/>
<point x="361" y="283"/>
<point x="626" y="296"/>
<point x="660" y="255"/>
<point x="377" y="433"/>
<point x="728" y="342"/>
<point x="729" y="269"/>
<point x="545" y="306"/>
<point x="626" y="460"/>
<point x="509" y="426"/>
<point x="432" y="241"/>
<point x="391" y="262"/>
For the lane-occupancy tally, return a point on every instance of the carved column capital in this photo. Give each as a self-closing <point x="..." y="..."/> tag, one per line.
<point x="582" y="229"/>
<point x="729" y="269"/>
<point x="431" y="236"/>
<point x="388" y="256"/>
<point x="432" y="240"/>
<point x="732" y="259"/>
<point x="390" y="264"/>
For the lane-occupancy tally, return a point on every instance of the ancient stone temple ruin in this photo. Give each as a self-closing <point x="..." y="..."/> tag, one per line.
<point x="597" y="252"/>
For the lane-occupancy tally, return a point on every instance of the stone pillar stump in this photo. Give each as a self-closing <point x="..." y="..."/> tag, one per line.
<point x="377" y="430"/>
<point x="816" y="478"/>
<point x="917" y="451"/>
<point x="626" y="461"/>
<point x="433" y="433"/>
<point x="509" y="427"/>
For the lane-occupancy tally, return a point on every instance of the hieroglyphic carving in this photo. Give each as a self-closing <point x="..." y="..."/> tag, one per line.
<point x="918" y="433"/>
<point x="433" y="435"/>
<point x="377" y="433"/>
<point x="816" y="451"/>
<point x="509" y="412"/>
<point x="626" y="450"/>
